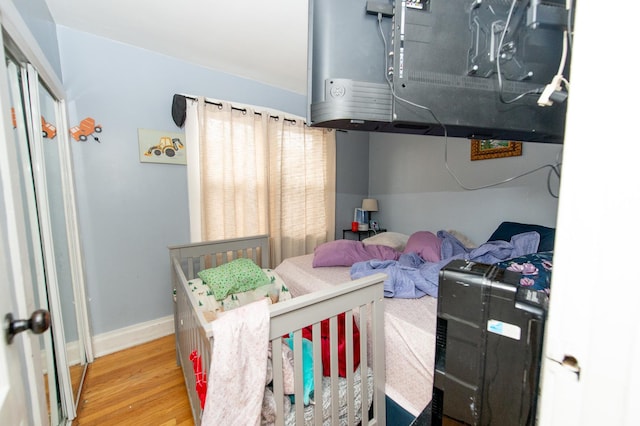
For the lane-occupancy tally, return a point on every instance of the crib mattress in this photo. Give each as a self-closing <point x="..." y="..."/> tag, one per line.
<point x="409" y="325"/>
<point x="275" y="291"/>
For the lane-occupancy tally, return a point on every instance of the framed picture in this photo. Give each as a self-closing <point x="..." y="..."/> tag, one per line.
<point x="483" y="149"/>
<point x="157" y="146"/>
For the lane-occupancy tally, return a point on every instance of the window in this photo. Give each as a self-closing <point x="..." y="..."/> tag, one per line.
<point x="259" y="172"/>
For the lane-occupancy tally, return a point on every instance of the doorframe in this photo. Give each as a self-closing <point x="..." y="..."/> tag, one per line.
<point x="20" y="34"/>
<point x="73" y="237"/>
<point x="31" y="85"/>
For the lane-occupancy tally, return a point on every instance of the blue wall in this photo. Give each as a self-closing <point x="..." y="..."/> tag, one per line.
<point x="416" y="189"/>
<point x="36" y="15"/>
<point x="352" y="175"/>
<point x="129" y="212"/>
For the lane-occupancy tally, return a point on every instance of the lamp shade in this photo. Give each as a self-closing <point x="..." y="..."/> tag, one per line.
<point x="370" y="204"/>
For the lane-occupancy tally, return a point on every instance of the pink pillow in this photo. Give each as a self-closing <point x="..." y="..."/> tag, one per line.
<point x="348" y="252"/>
<point x="426" y="244"/>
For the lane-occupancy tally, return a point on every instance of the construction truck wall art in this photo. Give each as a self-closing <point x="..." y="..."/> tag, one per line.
<point x="85" y="130"/>
<point x="167" y="146"/>
<point x="157" y="146"/>
<point x="48" y="130"/>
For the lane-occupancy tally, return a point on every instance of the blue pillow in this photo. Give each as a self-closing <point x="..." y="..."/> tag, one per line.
<point x="307" y="368"/>
<point x="506" y="230"/>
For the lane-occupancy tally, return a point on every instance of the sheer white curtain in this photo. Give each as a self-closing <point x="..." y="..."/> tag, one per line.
<point x="301" y="187"/>
<point x="259" y="172"/>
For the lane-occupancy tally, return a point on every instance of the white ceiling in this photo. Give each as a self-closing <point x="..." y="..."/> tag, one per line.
<point x="265" y="41"/>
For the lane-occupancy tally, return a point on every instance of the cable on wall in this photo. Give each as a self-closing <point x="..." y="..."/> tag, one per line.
<point x="553" y="168"/>
<point x="537" y="91"/>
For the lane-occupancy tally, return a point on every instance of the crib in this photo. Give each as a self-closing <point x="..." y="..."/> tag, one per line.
<point x="356" y="398"/>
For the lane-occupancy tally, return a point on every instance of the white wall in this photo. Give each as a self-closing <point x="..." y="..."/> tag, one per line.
<point x="409" y="177"/>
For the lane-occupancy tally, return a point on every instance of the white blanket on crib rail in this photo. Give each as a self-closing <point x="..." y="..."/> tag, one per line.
<point x="238" y="364"/>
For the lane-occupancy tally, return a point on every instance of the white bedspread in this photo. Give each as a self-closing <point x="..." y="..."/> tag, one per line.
<point x="410" y="326"/>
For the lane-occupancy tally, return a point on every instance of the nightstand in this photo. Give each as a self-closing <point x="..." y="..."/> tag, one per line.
<point x="361" y="234"/>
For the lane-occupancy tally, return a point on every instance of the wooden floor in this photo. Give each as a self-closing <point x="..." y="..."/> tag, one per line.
<point x="138" y="386"/>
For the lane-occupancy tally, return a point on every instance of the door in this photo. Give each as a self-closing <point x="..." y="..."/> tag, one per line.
<point x="37" y="148"/>
<point x="592" y="343"/>
<point x="13" y="409"/>
<point x="15" y="371"/>
<point x="22" y="399"/>
<point x="45" y="250"/>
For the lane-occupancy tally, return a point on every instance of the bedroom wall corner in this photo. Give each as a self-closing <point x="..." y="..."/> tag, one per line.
<point x="38" y="18"/>
<point x="123" y="338"/>
<point x="415" y="191"/>
<point x="352" y="175"/>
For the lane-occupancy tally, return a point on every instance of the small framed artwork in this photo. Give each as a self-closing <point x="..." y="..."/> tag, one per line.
<point x="157" y="146"/>
<point x="484" y="149"/>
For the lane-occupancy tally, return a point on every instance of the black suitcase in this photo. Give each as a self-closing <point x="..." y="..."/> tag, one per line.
<point x="488" y="346"/>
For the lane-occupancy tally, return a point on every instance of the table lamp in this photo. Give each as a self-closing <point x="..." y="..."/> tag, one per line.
<point x="369" y="205"/>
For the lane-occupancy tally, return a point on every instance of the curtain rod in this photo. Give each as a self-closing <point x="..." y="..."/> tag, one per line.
<point x="275" y="117"/>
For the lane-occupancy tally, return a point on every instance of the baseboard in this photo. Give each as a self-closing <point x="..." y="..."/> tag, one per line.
<point x="117" y="340"/>
<point x="127" y="337"/>
<point x="73" y="353"/>
<point x="124" y="338"/>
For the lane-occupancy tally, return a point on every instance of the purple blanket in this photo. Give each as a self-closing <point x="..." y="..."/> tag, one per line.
<point x="412" y="277"/>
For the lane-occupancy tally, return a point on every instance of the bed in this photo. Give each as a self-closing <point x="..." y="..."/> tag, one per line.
<point x="410" y="306"/>
<point x="406" y="323"/>
<point x="409" y="329"/>
<point x="345" y="400"/>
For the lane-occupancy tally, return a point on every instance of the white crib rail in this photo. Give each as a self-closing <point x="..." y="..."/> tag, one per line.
<point x="365" y="296"/>
<point x="362" y="299"/>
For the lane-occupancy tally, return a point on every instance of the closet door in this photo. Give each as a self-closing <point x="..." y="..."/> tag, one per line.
<point x="21" y="395"/>
<point x="13" y="363"/>
<point x="51" y="233"/>
<point x="41" y="254"/>
<point x="45" y="250"/>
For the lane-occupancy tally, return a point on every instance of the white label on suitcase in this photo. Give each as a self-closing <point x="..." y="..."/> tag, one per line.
<point x="504" y="329"/>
